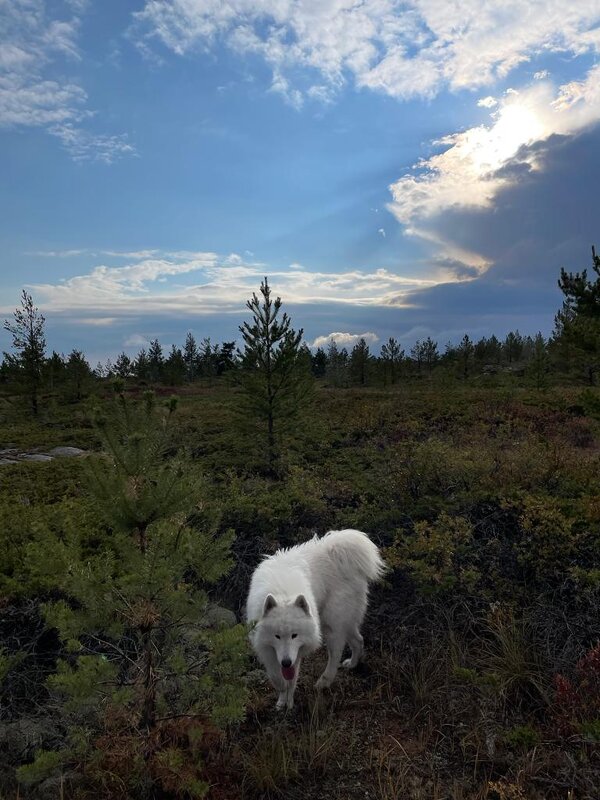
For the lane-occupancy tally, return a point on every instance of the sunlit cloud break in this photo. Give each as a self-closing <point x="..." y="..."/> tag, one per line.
<point x="471" y="169"/>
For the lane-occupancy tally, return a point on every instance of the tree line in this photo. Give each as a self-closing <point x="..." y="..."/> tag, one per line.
<point x="571" y="352"/>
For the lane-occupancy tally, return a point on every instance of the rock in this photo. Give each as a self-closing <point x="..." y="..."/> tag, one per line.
<point x="8" y="461"/>
<point x="36" y="457"/>
<point x="218" y="616"/>
<point x="21" y="738"/>
<point x="9" y="451"/>
<point x="60" y="452"/>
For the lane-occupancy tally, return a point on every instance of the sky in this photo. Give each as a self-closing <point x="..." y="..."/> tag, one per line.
<point x="407" y="169"/>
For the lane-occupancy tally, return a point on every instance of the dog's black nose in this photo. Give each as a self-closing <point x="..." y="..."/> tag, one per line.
<point x="286" y="662"/>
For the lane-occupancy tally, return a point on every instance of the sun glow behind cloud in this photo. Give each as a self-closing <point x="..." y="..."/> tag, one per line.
<point x="475" y="164"/>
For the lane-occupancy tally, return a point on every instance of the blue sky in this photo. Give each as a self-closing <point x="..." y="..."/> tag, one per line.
<point x="405" y="169"/>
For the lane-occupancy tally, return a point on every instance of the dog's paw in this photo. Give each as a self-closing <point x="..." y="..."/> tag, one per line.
<point x="323" y="683"/>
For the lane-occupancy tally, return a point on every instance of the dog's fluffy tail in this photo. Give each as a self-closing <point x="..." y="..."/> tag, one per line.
<point x="355" y="552"/>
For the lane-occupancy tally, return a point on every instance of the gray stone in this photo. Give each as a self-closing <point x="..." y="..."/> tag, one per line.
<point x="24" y="736"/>
<point x="217" y="616"/>
<point x="66" y="452"/>
<point x="36" y="457"/>
<point x="9" y="451"/>
<point x="8" y="461"/>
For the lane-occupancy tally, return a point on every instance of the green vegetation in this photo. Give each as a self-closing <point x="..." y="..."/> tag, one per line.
<point x="123" y="673"/>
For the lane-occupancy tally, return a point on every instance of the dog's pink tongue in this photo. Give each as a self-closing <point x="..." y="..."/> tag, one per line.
<point x="288" y="673"/>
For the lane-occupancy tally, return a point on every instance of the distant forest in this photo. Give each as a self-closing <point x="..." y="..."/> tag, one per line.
<point x="570" y="354"/>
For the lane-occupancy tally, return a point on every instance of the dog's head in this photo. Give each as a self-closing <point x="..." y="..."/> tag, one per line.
<point x="290" y="628"/>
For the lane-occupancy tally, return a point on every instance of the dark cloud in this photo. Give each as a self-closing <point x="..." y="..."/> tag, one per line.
<point x="547" y="219"/>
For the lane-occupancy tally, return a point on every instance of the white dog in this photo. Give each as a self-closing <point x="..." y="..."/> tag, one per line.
<point x="297" y="594"/>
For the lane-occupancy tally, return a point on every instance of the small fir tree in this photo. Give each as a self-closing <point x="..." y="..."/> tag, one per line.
<point x="148" y="678"/>
<point x="123" y="366"/>
<point x="465" y="352"/>
<point x="359" y="362"/>
<point x="539" y="363"/>
<point x="156" y="361"/>
<point x="337" y="365"/>
<point x="78" y="373"/>
<point x="226" y="358"/>
<point x="416" y="353"/>
<point x="141" y="366"/>
<point x="190" y="356"/>
<point x="319" y="363"/>
<point x="174" y="371"/>
<point x="275" y="382"/>
<point x="391" y="355"/>
<point x="577" y="324"/>
<point x="29" y="342"/>
<point x="429" y="353"/>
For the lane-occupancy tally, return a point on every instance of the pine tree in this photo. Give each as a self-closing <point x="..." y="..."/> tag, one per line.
<point x="123" y="366"/>
<point x="148" y="677"/>
<point x="190" y="356"/>
<point x="29" y="341"/>
<point x="359" y="362"/>
<point x="539" y="364"/>
<point x="416" y="353"/>
<point x="577" y="325"/>
<point x="429" y="353"/>
<point x="319" y="363"/>
<point x="465" y="355"/>
<point x="141" y="366"/>
<point x="513" y="346"/>
<point x="207" y="359"/>
<point x="54" y="371"/>
<point x="175" y="368"/>
<point x="391" y="355"/>
<point x="78" y="372"/>
<point x="275" y="384"/>
<point x="226" y="358"/>
<point x="156" y="361"/>
<point x="337" y="365"/>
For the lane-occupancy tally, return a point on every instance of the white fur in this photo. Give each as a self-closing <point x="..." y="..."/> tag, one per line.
<point x="313" y="588"/>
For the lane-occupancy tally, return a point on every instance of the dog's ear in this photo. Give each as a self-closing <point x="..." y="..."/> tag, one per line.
<point x="301" y="603"/>
<point x="270" y="603"/>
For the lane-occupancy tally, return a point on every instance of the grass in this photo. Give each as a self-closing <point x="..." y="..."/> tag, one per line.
<point x="456" y="700"/>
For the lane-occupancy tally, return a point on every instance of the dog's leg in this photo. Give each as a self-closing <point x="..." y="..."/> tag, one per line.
<point x="273" y="669"/>
<point x="335" y="648"/>
<point x="355" y="640"/>
<point x="291" y="685"/>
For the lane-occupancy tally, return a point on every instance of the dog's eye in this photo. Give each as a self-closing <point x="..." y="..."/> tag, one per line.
<point x="277" y="636"/>
<point x="294" y="635"/>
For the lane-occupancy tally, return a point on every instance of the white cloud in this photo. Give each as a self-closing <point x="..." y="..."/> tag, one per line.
<point x="401" y="47"/>
<point x="55" y="253"/>
<point x="85" y="146"/>
<point x="136" y="340"/>
<point x="207" y="283"/>
<point x="487" y="102"/>
<point x="97" y="322"/>
<point x="347" y="340"/>
<point x="33" y="41"/>
<point x="381" y="232"/>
